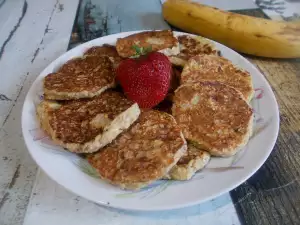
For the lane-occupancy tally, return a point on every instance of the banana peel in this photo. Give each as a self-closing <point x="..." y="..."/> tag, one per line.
<point x="246" y="34"/>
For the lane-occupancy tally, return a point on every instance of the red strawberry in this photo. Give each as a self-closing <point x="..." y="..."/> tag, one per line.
<point x="145" y="79"/>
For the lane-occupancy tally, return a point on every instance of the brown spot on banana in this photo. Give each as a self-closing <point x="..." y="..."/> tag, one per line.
<point x="262" y="36"/>
<point x="229" y="21"/>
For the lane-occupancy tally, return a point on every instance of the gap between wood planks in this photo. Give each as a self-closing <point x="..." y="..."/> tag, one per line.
<point x="24" y="10"/>
<point x="254" y="194"/>
<point x="60" y="7"/>
<point x="18" y="169"/>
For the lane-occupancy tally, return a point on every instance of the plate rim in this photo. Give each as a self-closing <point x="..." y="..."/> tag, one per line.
<point x="239" y="181"/>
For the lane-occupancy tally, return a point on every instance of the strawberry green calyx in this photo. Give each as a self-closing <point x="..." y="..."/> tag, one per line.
<point x="139" y="51"/>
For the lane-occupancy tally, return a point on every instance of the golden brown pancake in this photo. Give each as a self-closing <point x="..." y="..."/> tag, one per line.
<point x="216" y="68"/>
<point x="193" y="161"/>
<point x="80" y="78"/>
<point x="106" y="50"/>
<point x="213" y="116"/>
<point x="142" y="154"/>
<point x="86" y="125"/>
<point x="191" y="46"/>
<point x="158" y="41"/>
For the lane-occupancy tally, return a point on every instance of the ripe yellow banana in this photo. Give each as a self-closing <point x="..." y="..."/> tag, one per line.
<point x="256" y="36"/>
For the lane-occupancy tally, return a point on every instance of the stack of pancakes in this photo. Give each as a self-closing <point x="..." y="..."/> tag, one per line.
<point x="206" y="112"/>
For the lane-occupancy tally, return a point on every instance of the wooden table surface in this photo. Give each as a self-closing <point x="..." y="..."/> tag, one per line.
<point x="33" y="33"/>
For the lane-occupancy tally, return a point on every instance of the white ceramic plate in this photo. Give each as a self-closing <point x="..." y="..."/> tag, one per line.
<point x="220" y="176"/>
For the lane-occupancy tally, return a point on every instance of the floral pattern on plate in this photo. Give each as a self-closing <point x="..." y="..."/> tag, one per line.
<point x="161" y="185"/>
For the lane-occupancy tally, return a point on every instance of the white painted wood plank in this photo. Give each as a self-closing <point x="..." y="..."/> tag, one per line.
<point x="51" y="204"/>
<point x="9" y="14"/>
<point x="19" y="44"/>
<point x="42" y="35"/>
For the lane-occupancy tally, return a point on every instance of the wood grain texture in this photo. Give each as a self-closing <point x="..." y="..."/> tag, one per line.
<point x="33" y="34"/>
<point x="272" y="195"/>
